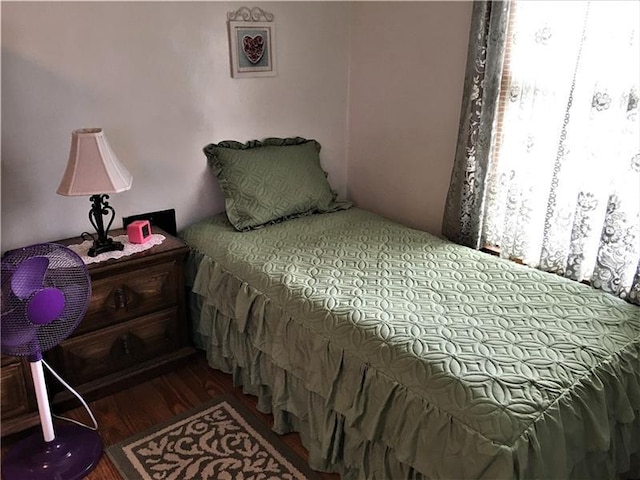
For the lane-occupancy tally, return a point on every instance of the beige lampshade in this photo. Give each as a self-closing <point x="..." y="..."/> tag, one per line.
<point x="93" y="168"/>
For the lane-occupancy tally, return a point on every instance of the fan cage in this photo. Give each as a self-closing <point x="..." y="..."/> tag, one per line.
<point x="65" y="271"/>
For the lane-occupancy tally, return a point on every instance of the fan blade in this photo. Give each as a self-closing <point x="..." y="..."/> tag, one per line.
<point x="29" y="276"/>
<point x="45" y="306"/>
<point x="16" y="331"/>
<point x="76" y="299"/>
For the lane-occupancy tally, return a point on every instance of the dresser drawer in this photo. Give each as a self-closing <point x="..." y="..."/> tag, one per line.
<point x="119" y="297"/>
<point x="14" y="389"/>
<point x="97" y="354"/>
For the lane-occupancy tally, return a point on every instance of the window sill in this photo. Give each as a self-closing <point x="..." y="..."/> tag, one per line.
<point x="495" y="251"/>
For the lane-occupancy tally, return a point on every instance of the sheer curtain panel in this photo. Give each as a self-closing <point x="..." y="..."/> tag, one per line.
<point x="562" y="184"/>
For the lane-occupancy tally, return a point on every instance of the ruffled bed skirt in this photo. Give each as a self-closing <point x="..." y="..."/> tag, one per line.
<point x="332" y="445"/>
<point x="227" y="317"/>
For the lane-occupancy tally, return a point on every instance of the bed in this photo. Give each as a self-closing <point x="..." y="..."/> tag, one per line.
<point x="397" y="354"/>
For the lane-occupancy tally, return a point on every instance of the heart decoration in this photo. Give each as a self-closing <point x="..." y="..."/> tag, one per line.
<point x="253" y="47"/>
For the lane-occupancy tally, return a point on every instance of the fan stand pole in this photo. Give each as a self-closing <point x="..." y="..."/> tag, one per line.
<point x="44" y="409"/>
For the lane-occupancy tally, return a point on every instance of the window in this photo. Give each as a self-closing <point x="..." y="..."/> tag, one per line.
<point x="563" y="186"/>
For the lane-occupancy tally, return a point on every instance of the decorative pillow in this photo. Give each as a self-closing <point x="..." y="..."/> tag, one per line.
<point x="270" y="180"/>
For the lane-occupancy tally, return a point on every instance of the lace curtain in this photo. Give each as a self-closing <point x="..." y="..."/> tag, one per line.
<point x="464" y="209"/>
<point x="562" y="184"/>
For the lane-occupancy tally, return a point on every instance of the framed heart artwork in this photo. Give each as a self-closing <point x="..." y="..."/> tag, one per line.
<point x="252" y="47"/>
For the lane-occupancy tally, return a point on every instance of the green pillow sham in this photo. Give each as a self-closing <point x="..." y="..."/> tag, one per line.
<point x="269" y="180"/>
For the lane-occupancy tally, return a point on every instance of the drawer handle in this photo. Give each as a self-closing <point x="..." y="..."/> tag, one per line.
<point x="127" y="347"/>
<point x="121" y="299"/>
<point x="125" y="344"/>
<point x="122" y="350"/>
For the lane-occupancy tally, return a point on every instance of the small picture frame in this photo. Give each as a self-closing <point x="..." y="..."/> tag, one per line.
<point x="252" y="46"/>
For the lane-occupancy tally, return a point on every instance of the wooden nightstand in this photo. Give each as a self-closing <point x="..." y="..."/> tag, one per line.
<point x="135" y="327"/>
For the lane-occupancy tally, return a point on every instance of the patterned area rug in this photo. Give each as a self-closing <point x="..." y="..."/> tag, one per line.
<point x="217" y="440"/>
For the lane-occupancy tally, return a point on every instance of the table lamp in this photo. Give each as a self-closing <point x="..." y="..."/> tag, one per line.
<point x="93" y="169"/>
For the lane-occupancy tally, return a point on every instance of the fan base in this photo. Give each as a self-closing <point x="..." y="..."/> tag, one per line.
<point x="72" y="455"/>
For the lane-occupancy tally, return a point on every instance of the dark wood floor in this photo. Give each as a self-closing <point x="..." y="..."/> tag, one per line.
<point x="133" y="410"/>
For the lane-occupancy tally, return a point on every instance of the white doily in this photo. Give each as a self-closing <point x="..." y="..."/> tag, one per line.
<point x="82" y="249"/>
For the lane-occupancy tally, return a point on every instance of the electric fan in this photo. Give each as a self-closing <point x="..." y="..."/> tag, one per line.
<point x="45" y="294"/>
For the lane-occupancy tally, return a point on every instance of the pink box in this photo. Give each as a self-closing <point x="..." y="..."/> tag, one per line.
<point x="139" y="231"/>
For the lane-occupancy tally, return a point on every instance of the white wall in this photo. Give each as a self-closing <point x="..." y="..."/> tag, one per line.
<point x="407" y="72"/>
<point x="155" y="76"/>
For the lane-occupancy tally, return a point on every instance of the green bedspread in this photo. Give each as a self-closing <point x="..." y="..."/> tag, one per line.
<point x="463" y="364"/>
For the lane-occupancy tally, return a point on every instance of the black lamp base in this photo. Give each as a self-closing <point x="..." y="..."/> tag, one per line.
<point x="108" y="246"/>
<point x="102" y="244"/>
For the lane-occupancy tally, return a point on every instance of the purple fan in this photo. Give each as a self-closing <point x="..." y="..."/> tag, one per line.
<point x="45" y="294"/>
<point x="29" y="276"/>
<point x="45" y="304"/>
